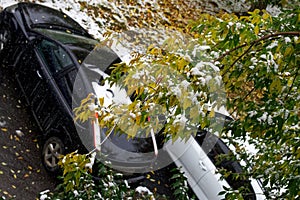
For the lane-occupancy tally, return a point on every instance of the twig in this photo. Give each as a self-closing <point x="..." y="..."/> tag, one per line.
<point x="294" y="33"/>
<point x="107" y="136"/>
<point x="154" y="142"/>
<point x="238" y="58"/>
<point x="292" y="85"/>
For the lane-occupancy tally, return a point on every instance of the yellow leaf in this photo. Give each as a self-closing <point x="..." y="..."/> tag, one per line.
<point x="256" y="11"/>
<point x="181" y="64"/>
<point x="212" y="113"/>
<point x="256" y="30"/>
<point x="17" y="138"/>
<point x="101" y="101"/>
<point x="265" y="16"/>
<point x="290" y="82"/>
<point x="138" y="119"/>
<point x="186" y="103"/>
<point x="151" y="46"/>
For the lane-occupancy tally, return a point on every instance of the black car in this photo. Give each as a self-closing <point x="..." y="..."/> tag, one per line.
<point x="44" y="49"/>
<point x="47" y="52"/>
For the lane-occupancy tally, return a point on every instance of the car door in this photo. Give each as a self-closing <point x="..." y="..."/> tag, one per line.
<point x="34" y="81"/>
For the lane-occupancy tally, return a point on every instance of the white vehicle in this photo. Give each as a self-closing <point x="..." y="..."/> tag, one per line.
<point x="199" y="165"/>
<point x="200" y="168"/>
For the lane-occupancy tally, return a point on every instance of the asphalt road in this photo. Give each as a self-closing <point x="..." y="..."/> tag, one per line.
<point x="22" y="175"/>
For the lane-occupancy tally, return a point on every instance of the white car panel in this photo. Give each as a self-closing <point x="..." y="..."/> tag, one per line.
<point x="211" y="185"/>
<point x="197" y="167"/>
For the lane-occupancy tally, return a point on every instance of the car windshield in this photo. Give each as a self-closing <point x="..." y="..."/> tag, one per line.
<point x="44" y="17"/>
<point x="81" y="46"/>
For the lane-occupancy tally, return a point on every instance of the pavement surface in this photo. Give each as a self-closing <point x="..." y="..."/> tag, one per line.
<point x="22" y="175"/>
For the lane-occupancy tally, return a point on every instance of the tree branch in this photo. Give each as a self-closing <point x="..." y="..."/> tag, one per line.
<point x="290" y="33"/>
<point x="238" y="58"/>
<point x="292" y="85"/>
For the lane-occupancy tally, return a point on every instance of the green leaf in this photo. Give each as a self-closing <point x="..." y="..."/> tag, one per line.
<point x="276" y="86"/>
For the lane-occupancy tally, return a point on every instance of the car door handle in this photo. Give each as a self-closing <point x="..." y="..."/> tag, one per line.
<point x="39" y="75"/>
<point x="202" y="165"/>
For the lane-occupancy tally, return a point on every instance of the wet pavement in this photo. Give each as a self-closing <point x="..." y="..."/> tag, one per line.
<point x="22" y="175"/>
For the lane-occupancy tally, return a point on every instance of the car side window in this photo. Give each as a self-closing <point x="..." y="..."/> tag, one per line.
<point x="55" y="57"/>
